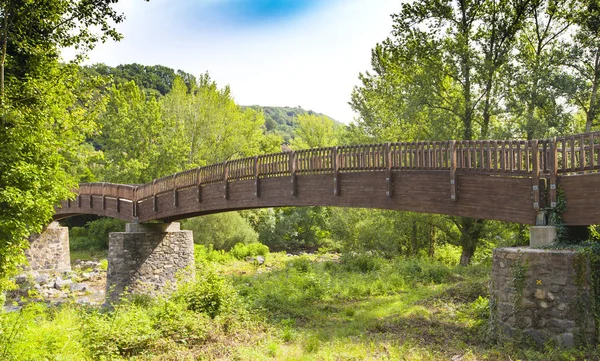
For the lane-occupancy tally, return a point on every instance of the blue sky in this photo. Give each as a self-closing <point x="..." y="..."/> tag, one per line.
<point x="270" y="52"/>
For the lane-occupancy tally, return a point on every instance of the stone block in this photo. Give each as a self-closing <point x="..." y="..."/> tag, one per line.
<point x="542" y="236"/>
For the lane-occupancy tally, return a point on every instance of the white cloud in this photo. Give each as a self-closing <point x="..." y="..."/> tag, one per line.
<point x="312" y="60"/>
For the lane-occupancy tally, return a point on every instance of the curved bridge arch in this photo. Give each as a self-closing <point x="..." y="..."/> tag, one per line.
<point x="501" y="180"/>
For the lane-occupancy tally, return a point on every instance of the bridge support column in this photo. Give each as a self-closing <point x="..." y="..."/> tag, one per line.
<point x="148" y="259"/>
<point x="542" y="295"/>
<point x="49" y="251"/>
<point x="542" y="236"/>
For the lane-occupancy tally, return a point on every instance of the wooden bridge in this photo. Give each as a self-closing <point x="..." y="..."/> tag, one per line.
<point x="509" y="180"/>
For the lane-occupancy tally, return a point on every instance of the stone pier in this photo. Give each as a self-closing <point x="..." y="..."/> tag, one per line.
<point x="49" y="251"/>
<point x="148" y="259"/>
<point x="542" y="295"/>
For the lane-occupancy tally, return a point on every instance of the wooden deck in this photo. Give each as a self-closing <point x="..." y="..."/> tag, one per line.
<point x="501" y="180"/>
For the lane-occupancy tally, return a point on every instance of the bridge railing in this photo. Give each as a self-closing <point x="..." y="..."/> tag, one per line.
<point x="563" y="155"/>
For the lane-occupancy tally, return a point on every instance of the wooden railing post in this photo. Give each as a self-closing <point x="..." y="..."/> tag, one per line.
<point x="226" y="180"/>
<point x="553" y="168"/>
<point x="103" y="196"/>
<point x="294" y="178"/>
<point x="175" y="200"/>
<point x="336" y="171"/>
<point x="154" y="199"/>
<point x="134" y="203"/>
<point x="453" y="193"/>
<point x="91" y="197"/>
<point x="535" y="175"/>
<point x="388" y="177"/>
<point x="118" y="199"/>
<point x="198" y="186"/>
<point x="256" y="179"/>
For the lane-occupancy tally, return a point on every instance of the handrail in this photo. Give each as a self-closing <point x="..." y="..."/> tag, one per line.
<point x="562" y="155"/>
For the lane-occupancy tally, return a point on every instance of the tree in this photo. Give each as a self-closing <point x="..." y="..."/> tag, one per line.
<point x="213" y="128"/>
<point x="584" y="60"/>
<point x="138" y="142"/>
<point x="315" y="131"/>
<point x="436" y="77"/>
<point x="42" y="118"/>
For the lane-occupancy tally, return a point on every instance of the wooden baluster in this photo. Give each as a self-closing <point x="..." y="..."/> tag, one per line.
<point x="453" y="194"/>
<point x="527" y="153"/>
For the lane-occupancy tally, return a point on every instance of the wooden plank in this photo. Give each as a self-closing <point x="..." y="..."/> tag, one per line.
<point x="226" y="180"/>
<point x="175" y="201"/>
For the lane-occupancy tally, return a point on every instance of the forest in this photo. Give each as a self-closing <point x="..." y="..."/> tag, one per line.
<point x="336" y="283"/>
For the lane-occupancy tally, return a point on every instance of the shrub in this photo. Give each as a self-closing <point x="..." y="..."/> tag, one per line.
<point x="210" y="294"/>
<point x="94" y="236"/>
<point x="222" y="230"/>
<point x="127" y="331"/>
<point x="241" y="251"/>
<point x="362" y="262"/>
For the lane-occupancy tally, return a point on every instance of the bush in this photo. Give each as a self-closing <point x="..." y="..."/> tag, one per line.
<point x="222" y="230"/>
<point x="210" y="294"/>
<point x="362" y="262"/>
<point x="241" y="251"/>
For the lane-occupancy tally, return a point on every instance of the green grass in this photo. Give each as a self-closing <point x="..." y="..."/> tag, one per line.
<point x="312" y="307"/>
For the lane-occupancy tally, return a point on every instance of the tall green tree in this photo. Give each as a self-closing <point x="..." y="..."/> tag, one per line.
<point x="138" y="142"/>
<point x="315" y="131"/>
<point x="213" y="128"/>
<point x="42" y="120"/>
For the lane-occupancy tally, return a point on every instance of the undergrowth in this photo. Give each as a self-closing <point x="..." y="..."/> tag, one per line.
<point x="309" y="307"/>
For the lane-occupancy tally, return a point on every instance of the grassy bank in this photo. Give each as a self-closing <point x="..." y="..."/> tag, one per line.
<point x="310" y="307"/>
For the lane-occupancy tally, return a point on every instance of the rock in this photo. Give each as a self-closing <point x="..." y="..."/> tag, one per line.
<point x="545" y="305"/>
<point x="20" y="279"/>
<point x="250" y="259"/>
<point x="260" y="259"/>
<point x="42" y="279"/>
<point x="60" y="283"/>
<point x="539" y="294"/>
<point x="562" y="307"/>
<point x="78" y="287"/>
<point x="550" y="296"/>
<point x="566" y="340"/>
<point x="86" y="276"/>
<point x="83" y="301"/>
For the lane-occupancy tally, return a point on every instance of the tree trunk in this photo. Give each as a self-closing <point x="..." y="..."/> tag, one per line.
<point x="470" y="233"/>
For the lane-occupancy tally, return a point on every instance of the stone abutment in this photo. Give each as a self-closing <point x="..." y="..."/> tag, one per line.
<point x="148" y="258"/>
